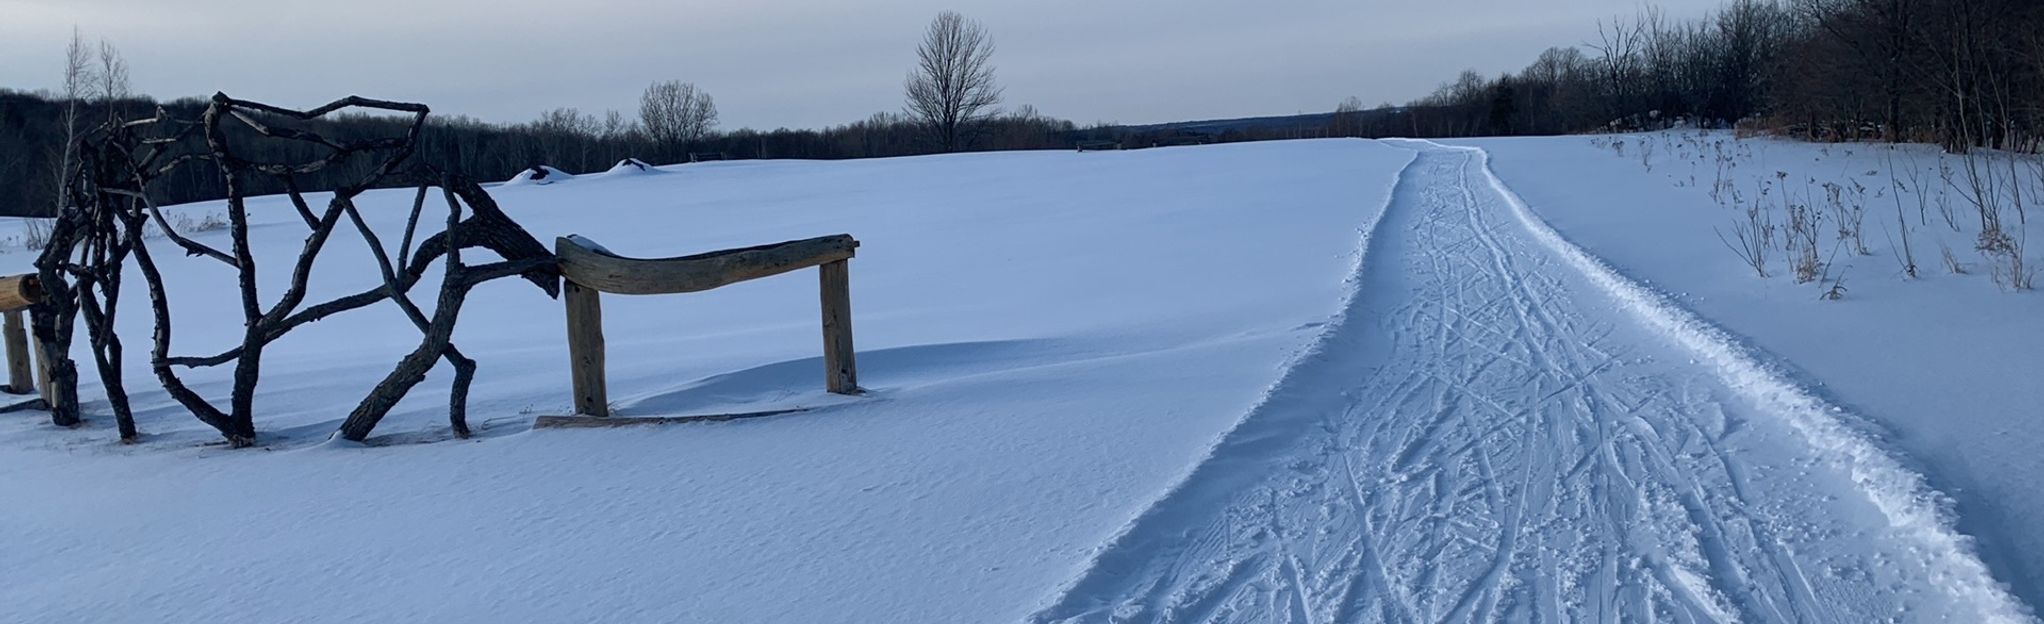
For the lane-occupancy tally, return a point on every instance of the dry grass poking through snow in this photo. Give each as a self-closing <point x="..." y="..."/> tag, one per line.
<point x="1805" y="217"/>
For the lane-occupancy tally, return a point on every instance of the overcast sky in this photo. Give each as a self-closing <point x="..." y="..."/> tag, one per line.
<point x="802" y="63"/>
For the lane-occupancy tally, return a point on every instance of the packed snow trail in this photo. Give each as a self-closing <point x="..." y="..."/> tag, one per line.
<point x="1489" y="433"/>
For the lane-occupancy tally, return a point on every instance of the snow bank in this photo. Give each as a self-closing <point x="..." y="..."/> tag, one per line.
<point x="631" y="166"/>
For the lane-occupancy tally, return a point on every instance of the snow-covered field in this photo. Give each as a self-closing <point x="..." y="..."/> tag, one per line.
<point x="1299" y="381"/>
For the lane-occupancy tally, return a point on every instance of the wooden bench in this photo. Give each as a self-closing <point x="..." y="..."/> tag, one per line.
<point x="590" y="269"/>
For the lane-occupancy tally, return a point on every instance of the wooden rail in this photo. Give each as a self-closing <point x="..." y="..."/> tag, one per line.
<point x="591" y="270"/>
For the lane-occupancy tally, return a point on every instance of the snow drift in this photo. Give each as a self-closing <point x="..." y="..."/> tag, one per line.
<point x="539" y="175"/>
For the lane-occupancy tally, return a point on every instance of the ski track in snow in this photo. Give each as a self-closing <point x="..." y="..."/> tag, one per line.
<point x="1498" y="428"/>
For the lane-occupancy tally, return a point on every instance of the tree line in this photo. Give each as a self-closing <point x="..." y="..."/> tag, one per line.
<point x="33" y="129"/>
<point x="951" y="99"/>
<point x="1958" y="73"/>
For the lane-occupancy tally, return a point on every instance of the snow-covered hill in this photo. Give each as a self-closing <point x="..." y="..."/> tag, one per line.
<point x="1329" y="380"/>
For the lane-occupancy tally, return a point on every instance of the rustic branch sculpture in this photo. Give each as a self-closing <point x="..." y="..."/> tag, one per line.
<point x="111" y="208"/>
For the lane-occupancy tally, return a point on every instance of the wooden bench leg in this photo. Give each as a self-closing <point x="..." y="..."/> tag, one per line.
<point x="841" y="371"/>
<point x="585" y="349"/>
<point x="20" y="375"/>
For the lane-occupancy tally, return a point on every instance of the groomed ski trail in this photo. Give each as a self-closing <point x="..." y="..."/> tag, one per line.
<point x="1500" y="428"/>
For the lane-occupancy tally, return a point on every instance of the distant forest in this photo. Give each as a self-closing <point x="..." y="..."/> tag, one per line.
<point x="32" y="133"/>
<point x="1958" y="73"/>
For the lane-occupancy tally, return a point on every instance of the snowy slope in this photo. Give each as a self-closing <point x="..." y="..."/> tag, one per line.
<point x="1051" y="339"/>
<point x="1946" y="367"/>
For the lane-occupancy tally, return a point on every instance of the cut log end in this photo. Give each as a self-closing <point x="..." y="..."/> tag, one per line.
<point x="18" y="292"/>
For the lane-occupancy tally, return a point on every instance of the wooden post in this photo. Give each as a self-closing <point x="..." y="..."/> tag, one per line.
<point x="585" y="349"/>
<point x="42" y="372"/>
<point x="841" y="372"/>
<point x="20" y="377"/>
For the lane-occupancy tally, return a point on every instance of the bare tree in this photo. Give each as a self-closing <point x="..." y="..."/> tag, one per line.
<point x="615" y="127"/>
<point x="1348" y="118"/>
<point x="565" y="135"/>
<point x="1877" y="33"/>
<point x="566" y="120"/>
<point x="952" y="88"/>
<point x="675" y="112"/>
<point x="78" y="81"/>
<point x="1618" y="61"/>
<point x="111" y="79"/>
